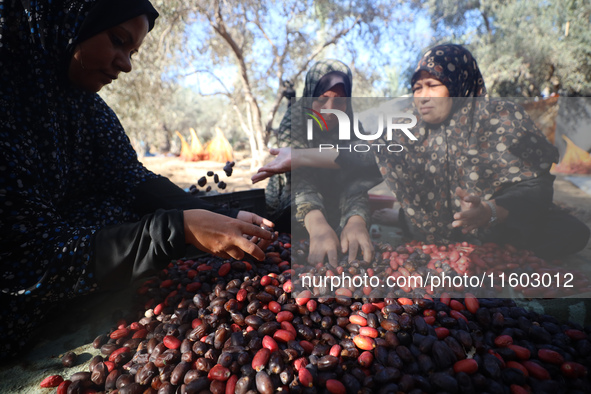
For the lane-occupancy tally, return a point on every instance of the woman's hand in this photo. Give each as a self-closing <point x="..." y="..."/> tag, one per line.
<point x="323" y="242"/>
<point x="281" y="164"/>
<point x="223" y="236"/>
<point x="355" y="236"/>
<point x="474" y="213"/>
<point x="253" y="218"/>
<point x="323" y="239"/>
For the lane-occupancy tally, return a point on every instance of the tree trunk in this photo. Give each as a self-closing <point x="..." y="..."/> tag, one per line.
<point x="254" y="110"/>
<point x="251" y="139"/>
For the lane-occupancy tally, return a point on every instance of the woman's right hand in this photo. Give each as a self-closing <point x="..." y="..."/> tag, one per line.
<point x="221" y="235"/>
<point x="355" y="237"/>
<point x="281" y="164"/>
<point x="324" y="242"/>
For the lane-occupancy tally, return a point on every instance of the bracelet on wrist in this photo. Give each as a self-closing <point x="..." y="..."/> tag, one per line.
<point x="493" y="213"/>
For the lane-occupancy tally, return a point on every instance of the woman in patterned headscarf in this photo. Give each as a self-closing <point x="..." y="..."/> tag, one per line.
<point x="479" y="166"/>
<point x="77" y="208"/>
<point x="479" y="169"/>
<point x="326" y="202"/>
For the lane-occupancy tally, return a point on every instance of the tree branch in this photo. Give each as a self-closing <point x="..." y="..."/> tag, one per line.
<point x="255" y="111"/>
<point x="257" y="23"/>
<point x="227" y="91"/>
<point x="486" y="23"/>
<point x="333" y="40"/>
<point x="279" y="95"/>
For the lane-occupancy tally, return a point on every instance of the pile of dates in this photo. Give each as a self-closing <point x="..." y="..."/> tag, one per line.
<point x="223" y="326"/>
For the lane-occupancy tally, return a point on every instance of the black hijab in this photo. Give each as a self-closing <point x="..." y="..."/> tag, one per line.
<point x="108" y="13"/>
<point x="331" y="80"/>
<point x="321" y="77"/>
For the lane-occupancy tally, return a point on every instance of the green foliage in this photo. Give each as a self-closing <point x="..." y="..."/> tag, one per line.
<point x="142" y="98"/>
<point x="245" y="50"/>
<point x="278" y="41"/>
<point x="524" y="47"/>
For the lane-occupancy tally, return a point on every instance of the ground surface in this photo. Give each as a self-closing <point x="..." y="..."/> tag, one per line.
<point x="96" y="314"/>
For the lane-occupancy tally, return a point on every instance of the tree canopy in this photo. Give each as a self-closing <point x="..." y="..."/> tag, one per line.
<point x="226" y="63"/>
<point x="524" y="47"/>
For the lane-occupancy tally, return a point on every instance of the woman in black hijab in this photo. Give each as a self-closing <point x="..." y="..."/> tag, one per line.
<point x="77" y="208"/>
<point x="324" y="202"/>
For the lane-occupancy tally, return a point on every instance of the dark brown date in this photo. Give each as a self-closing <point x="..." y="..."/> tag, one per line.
<point x="264" y="384"/>
<point x="178" y="374"/>
<point x="99" y="374"/>
<point x="69" y="359"/>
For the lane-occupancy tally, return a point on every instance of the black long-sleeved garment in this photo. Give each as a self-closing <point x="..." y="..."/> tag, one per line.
<point x="126" y="251"/>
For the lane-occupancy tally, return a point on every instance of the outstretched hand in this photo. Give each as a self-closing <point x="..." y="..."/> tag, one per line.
<point x="474" y="213"/>
<point x="281" y="164"/>
<point x="224" y="236"/>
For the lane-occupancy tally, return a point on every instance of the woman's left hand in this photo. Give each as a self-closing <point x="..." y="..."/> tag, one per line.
<point x="354" y="237"/>
<point x="474" y="213"/>
<point x="280" y="164"/>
